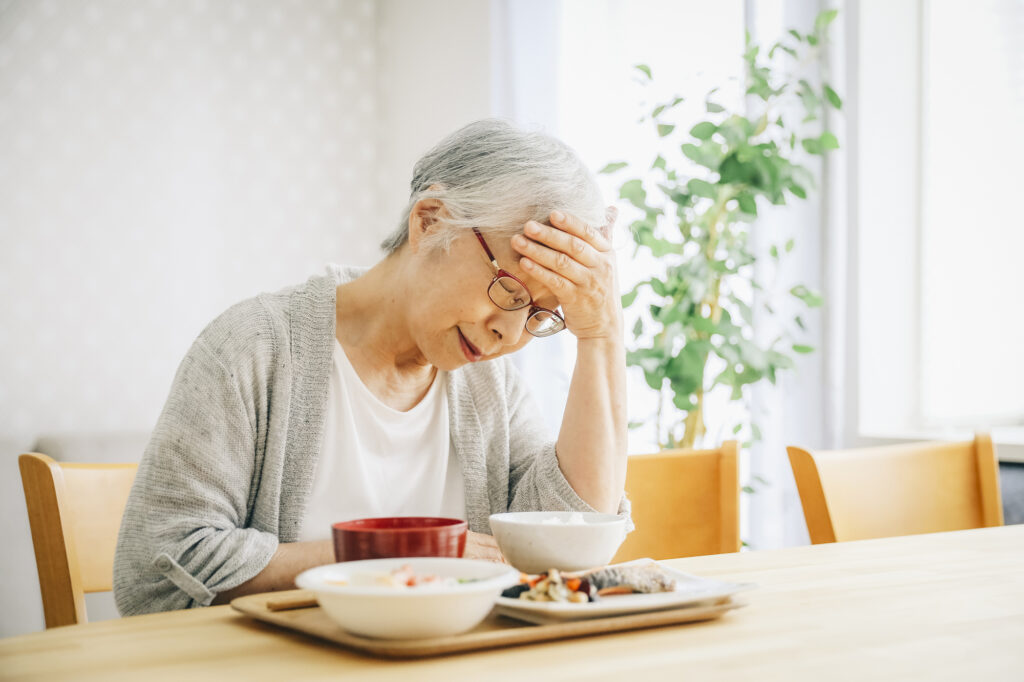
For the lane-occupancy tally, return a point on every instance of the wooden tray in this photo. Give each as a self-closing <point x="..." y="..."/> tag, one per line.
<point x="494" y="632"/>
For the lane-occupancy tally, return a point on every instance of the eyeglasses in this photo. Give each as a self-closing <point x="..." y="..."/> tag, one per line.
<point x="509" y="293"/>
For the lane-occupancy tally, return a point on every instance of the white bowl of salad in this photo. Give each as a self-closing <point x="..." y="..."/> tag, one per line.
<point x="408" y="598"/>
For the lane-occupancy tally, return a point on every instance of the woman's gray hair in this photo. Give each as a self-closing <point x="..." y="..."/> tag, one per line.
<point x="494" y="176"/>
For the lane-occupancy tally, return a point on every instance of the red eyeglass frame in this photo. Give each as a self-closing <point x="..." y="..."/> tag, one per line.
<point x="499" y="273"/>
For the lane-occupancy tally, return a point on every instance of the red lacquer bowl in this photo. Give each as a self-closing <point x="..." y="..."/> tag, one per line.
<point x="399" y="536"/>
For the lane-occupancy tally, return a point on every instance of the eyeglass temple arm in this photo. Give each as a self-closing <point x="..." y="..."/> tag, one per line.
<point x="487" y="250"/>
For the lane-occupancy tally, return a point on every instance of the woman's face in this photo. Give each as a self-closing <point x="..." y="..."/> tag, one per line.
<point x="453" y="321"/>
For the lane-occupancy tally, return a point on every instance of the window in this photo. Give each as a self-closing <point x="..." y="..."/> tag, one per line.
<point x="940" y="324"/>
<point x="972" y="317"/>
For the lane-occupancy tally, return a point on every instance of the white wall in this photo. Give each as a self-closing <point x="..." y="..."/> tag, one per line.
<point x="434" y="76"/>
<point x="158" y="162"/>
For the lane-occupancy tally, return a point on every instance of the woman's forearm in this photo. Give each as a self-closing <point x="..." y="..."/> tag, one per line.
<point x="592" y="442"/>
<point x="290" y="559"/>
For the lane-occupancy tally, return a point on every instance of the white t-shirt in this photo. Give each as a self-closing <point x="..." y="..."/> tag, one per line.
<point x="378" y="461"/>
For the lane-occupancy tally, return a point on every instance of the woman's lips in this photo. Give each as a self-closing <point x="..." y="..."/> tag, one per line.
<point x="468" y="349"/>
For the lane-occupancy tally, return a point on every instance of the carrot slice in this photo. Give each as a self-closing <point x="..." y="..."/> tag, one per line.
<point x="573" y="584"/>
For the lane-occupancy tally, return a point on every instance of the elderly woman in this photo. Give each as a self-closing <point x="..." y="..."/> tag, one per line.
<point x="384" y="392"/>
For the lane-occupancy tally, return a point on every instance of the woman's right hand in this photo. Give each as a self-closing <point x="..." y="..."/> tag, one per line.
<point x="481" y="546"/>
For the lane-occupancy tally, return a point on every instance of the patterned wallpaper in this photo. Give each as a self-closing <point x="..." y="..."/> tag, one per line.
<point x="160" y="160"/>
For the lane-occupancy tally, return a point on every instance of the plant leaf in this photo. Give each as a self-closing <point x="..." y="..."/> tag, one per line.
<point x="748" y="205"/>
<point x="799" y="348"/>
<point x="633" y="191"/>
<point x="812" y="299"/>
<point x="823" y="19"/>
<point x="645" y="69"/>
<point x="613" y="166"/>
<point x="664" y="129"/>
<point x="703" y="130"/>
<point x="811" y="145"/>
<point x="832" y="97"/>
<point x="701" y="188"/>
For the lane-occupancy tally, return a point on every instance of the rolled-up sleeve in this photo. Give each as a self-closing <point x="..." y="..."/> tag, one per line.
<point x="184" y="534"/>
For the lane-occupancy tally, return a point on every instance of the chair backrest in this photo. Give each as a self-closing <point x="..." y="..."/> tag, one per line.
<point x="74" y="511"/>
<point x="685" y="503"/>
<point x="898" y="489"/>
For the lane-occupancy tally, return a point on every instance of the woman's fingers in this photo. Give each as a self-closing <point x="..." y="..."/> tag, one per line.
<point x="554" y="260"/>
<point x="560" y="285"/>
<point x="584" y="231"/>
<point x="611" y="214"/>
<point x="559" y="240"/>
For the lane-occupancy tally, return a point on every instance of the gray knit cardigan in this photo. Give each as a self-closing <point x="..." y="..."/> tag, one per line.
<point x="229" y="468"/>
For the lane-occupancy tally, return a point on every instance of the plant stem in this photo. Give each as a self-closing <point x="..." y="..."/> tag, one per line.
<point x="693" y="424"/>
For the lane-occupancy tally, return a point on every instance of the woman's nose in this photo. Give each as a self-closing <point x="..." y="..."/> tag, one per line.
<point x="509" y="326"/>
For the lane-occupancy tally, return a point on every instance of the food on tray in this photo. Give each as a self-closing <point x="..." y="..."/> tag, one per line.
<point x="402" y="577"/>
<point x="552" y="586"/>
<point x="626" y="579"/>
<point x="645" y="578"/>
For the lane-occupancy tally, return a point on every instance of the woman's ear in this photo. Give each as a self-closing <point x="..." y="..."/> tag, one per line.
<point x="426" y="217"/>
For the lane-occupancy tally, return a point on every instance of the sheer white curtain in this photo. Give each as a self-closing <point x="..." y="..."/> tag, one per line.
<point x="525" y="38"/>
<point x="567" y="66"/>
<point x="792" y="412"/>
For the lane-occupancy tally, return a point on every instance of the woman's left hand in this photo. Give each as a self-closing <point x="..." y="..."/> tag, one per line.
<point x="576" y="263"/>
<point x="480" y="546"/>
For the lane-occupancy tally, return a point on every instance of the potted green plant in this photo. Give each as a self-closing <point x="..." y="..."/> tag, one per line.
<point x="697" y="205"/>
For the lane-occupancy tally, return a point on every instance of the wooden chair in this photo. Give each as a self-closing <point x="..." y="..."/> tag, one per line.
<point x="898" y="489"/>
<point x="74" y="511"/>
<point x="685" y="503"/>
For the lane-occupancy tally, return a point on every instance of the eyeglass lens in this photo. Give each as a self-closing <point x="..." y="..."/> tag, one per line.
<point x="508" y="294"/>
<point x="543" y="323"/>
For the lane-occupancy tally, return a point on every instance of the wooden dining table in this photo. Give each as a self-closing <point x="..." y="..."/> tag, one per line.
<point x="922" y="607"/>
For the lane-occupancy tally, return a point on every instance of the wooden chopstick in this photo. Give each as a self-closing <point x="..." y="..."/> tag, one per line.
<point x="303" y="600"/>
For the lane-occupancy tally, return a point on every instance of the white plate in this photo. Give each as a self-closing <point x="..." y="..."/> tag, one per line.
<point x="690" y="590"/>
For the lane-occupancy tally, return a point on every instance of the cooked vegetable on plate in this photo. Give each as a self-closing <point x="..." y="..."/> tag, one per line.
<point x="578" y="588"/>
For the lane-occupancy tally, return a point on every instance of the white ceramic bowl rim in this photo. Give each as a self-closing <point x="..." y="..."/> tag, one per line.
<point x="501" y="576"/>
<point x="538" y="518"/>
